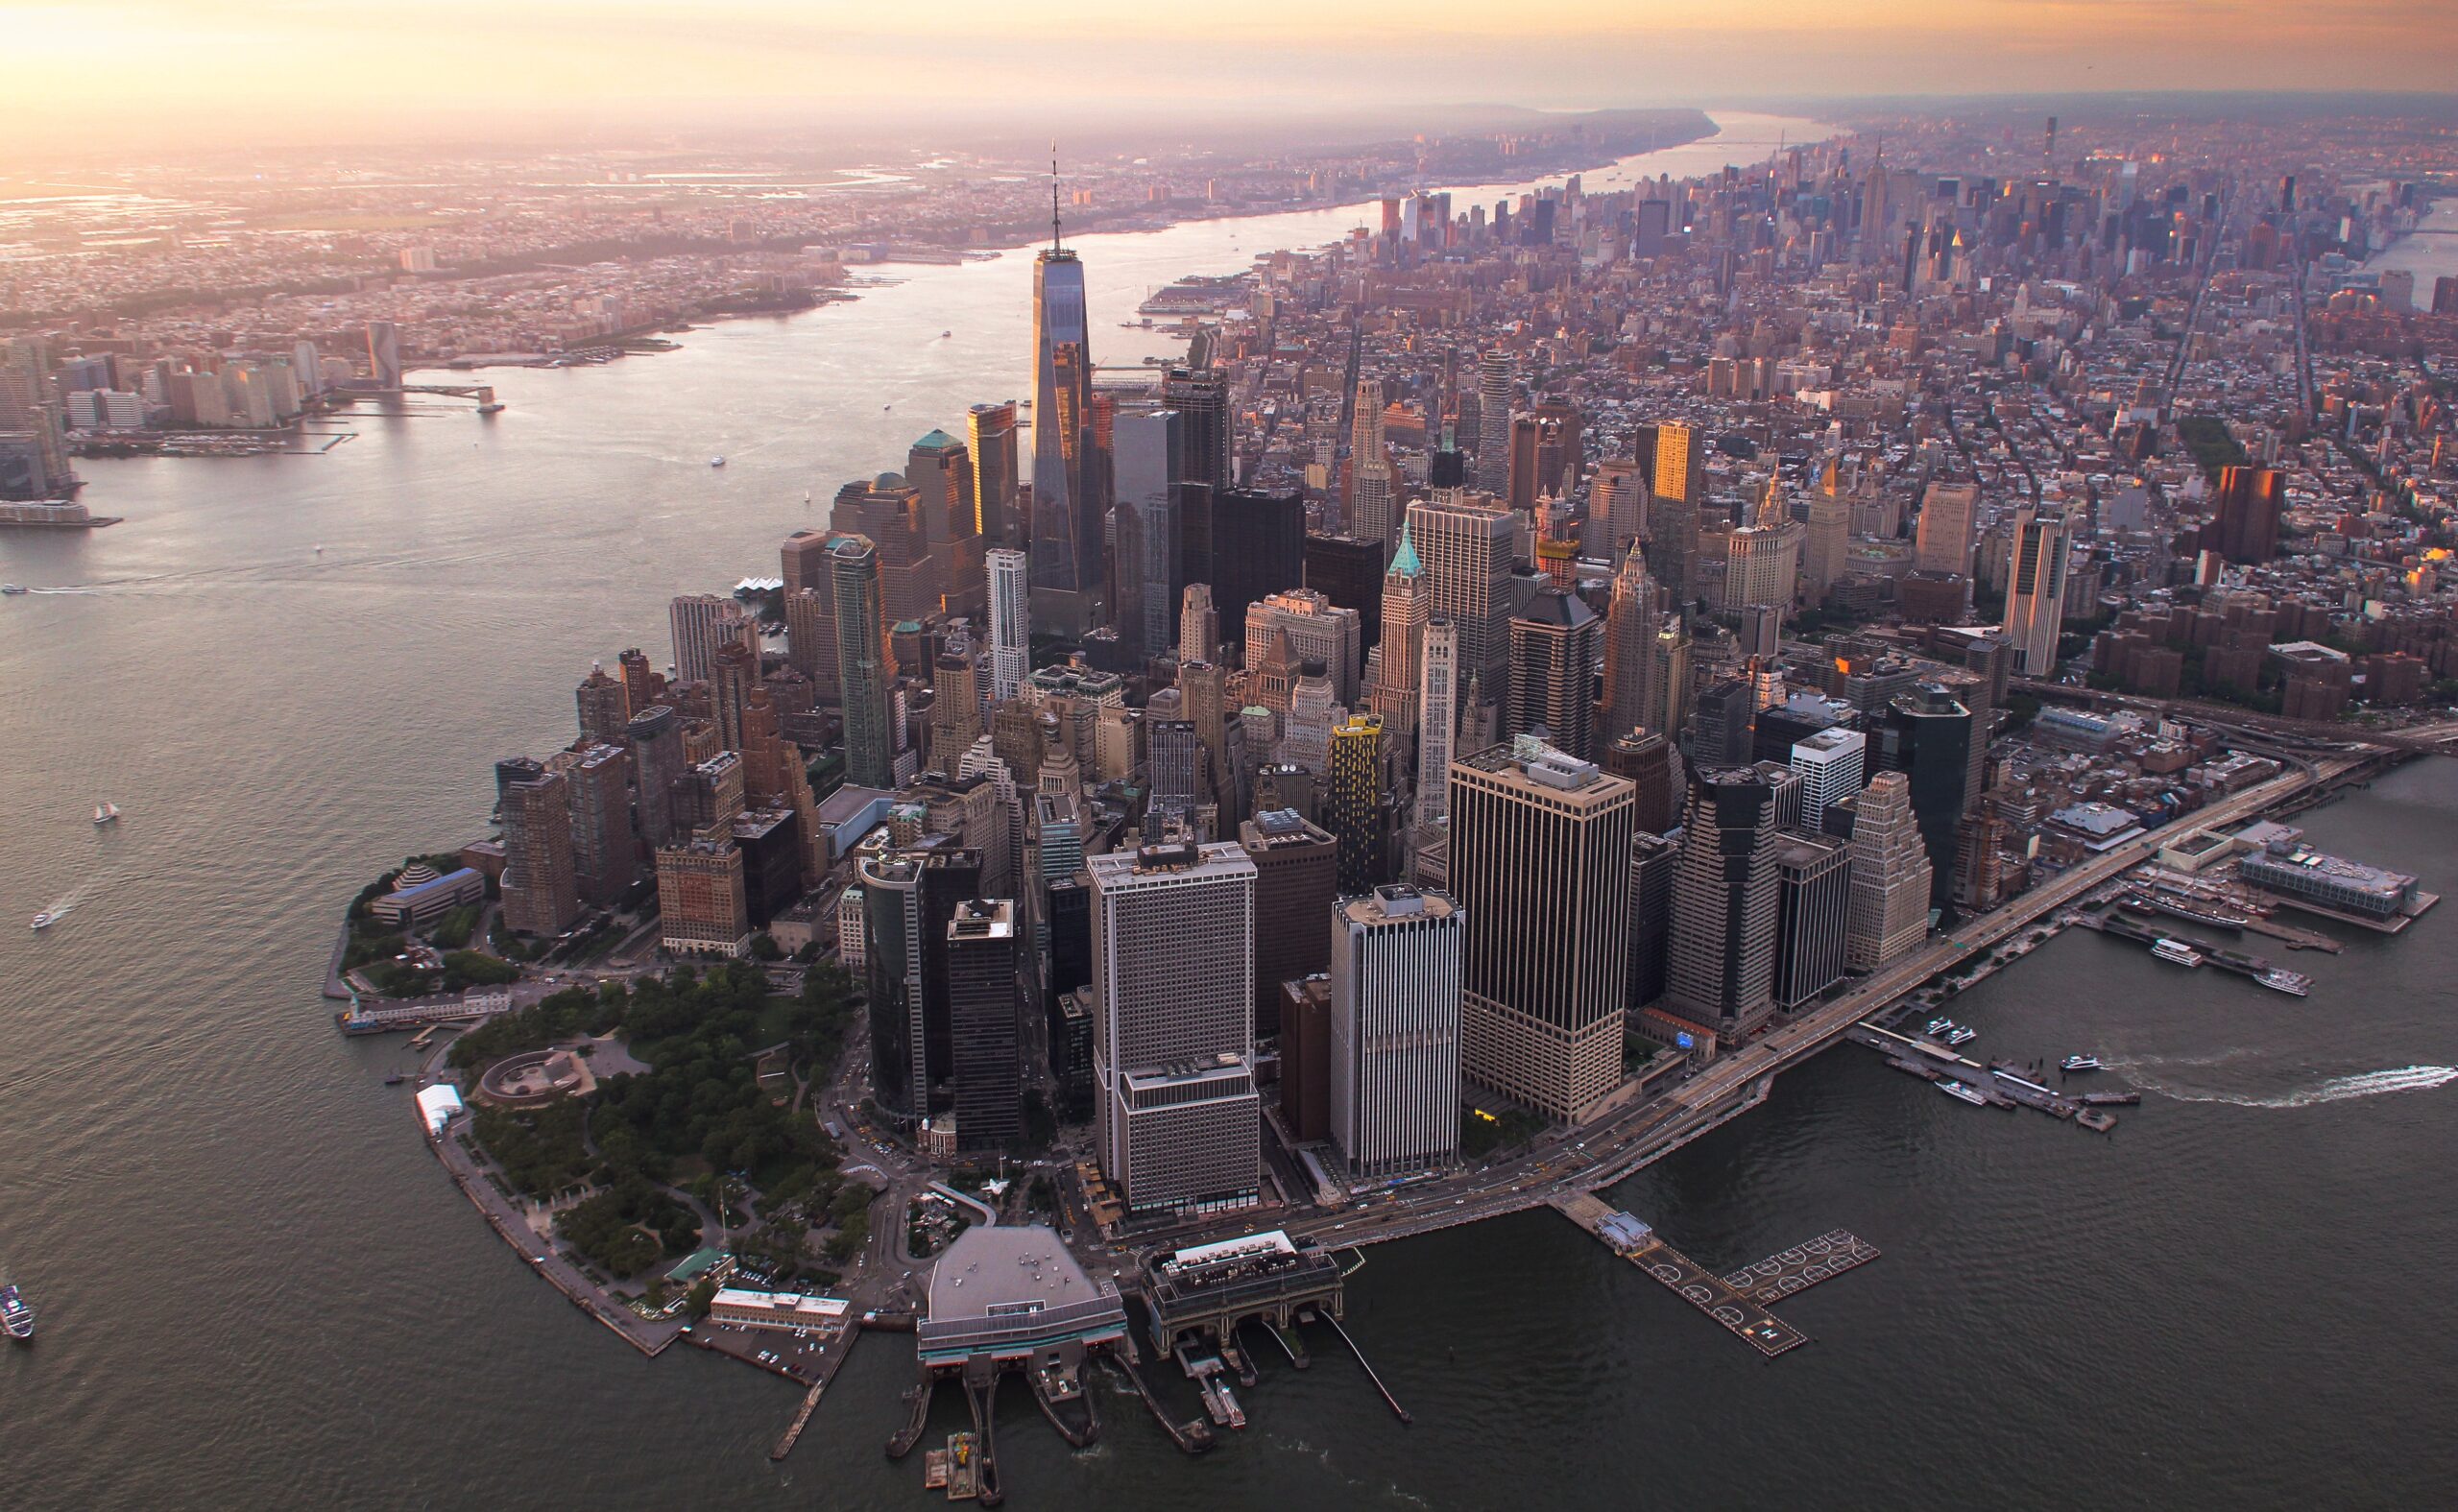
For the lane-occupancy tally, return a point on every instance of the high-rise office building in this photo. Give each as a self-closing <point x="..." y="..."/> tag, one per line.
<point x="1258" y="549"/>
<point x="810" y="611"/>
<point x="887" y="511"/>
<point x="1010" y="623"/>
<point x="1198" y="624"/>
<point x="939" y="468"/>
<point x="733" y="674"/>
<point x="1632" y="620"/>
<point x="1540" y="858"/>
<point x="2035" y="591"/>
<point x="1831" y="763"/>
<point x="863" y="667"/>
<point x="1654" y="859"/>
<point x="701" y="622"/>
<point x="2244" y="520"/>
<point x="1350" y="573"/>
<point x="1355" y="805"/>
<point x="1823" y="545"/>
<point x="541" y="889"/>
<point x="955" y="706"/>
<point x="1545" y="447"/>
<point x="1651" y="765"/>
<point x="1177" y="1121"/>
<point x="1949" y="516"/>
<point x="1812" y="903"/>
<point x="1206" y="447"/>
<point x="1146" y="463"/>
<point x="910" y="897"/>
<point x="1721" y="962"/>
<point x="1317" y="630"/>
<point x="1465" y="543"/>
<point x="1721" y="736"/>
<point x="1297" y="881"/>
<point x="1554" y="645"/>
<point x="992" y="428"/>
<point x="1069" y="472"/>
<point x="1926" y="735"/>
<point x="1496" y="386"/>
<point x="1617" y="509"/>
<point x="1437" y="717"/>
<point x="1407" y="606"/>
<point x="655" y="738"/>
<point x="1395" y="1032"/>
<point x="1889" y="910"/>
<point x="1673" y="515"/>
<point x="983" y="1028"/>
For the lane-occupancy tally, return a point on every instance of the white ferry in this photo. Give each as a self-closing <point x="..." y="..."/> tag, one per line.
<point x="2177" y="952"/>
<point x="2279" y="979"/>
<point x="1962" y="1093"/>
<point x="2082" y="1063"/>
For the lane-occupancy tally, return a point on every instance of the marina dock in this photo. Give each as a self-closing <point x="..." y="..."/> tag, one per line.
<point x="2126" y="925"/>
<point x="1742" y="1314"/>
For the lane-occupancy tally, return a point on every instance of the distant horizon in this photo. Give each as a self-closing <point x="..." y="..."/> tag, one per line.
<point x="219" y="73"/>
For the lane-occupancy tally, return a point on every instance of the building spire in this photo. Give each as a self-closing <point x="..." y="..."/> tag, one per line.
<point x="1054" y="194"/>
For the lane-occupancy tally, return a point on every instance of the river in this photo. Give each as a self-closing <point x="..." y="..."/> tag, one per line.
<point x="258" y="1291"/>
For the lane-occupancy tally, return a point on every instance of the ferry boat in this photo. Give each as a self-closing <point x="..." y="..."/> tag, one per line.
<point x="106" y="812"/>
<point x="2177" y="952"/>
<point x="47" y="917"/>
<point x="1940" y="1026"/>
<point x="16" y="1314"/>
<point x="2279" y="979"/>
<point x="2082" y="1063"/>
<point x="1963" y="1036"/>
<point x="1962" y="1093"/>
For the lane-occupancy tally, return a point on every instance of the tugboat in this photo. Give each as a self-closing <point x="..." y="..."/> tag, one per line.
<point x="2081" y="1063"/>
<point x="16" y="1314"/>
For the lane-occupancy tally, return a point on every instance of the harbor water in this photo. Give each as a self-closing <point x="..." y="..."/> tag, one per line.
<point x="258" y="1290"/>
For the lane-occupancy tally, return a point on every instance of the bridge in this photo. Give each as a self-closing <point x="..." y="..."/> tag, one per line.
<point x="2432" y="739"/>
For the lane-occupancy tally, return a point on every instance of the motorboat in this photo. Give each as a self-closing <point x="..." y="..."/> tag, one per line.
<point x="2081" y="1063"/>
<point x="717" y="462"/>
<point x="1963" y="1036"/>
<point x="13" y="589"/>
<point x="47" y="917"/>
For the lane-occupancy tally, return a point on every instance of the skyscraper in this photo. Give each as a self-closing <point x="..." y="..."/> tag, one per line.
<point x="1555" y="643"/>
<point x="1721" y="966"/>
<point x="1068" y="471"/>
<point x="540" y="890"/>
<point x="810" y="611"/>
<point x="1465" y="543"/>
<point x="605" y="849"/>
<point x="1813" y="902"/>
<point x="655" y="737"/>
<point x="1010" y="624"/>
<point x="1258" y="549"/>
<point x="1395" y="1031"/>
<point x="1177" y="1121"/>
<point x="733" y="673"/>
<point x="1672" y="517"/>
<point x="1297" y="881"/>
<point x="1373" y="503"/>
<point x="1926" y="735"/>
<point x="939" y="468"/>
<point x="863" y="667"/>
<point x="1206" y="446"/>
<point x="1147" y="464"/>
<point x="1617" y="509"/>
<point x="605" y="706"/>
<point x="1888" y="915"/>
<point x="1949" y="513"/>
<point x="1354" y="805"/>
<point x="1540" y="858"/>
<point x="992" y="428"/>
<point x="700" y="623"/>
<point x="1317" y="628"/>
<point x="2035" y="591"/>
<point x="1496" y="385"/>
<point x="1631" y="623"/>
<point x="1198" y="624"/>
<point x="1824" y="546"/>
<point x="1407" y="605"/>
<point x="1650" y="765"/>
<point x="1437" y="715"/>
<point x="908" y="900"/>
<point x="983" y="1025"/>
<point x="2246" y="517"/>
<point x="1831" y="764"/>
<point x="1654" y="858"/>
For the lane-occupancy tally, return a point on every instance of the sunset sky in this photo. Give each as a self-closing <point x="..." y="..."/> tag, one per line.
<point x="247" y="68"/>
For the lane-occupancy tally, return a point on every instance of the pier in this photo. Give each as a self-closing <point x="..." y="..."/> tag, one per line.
<point x="1802" y="1266"/>
<point x="2118" y="921"/>
<point x="1388" y="1400"/>
<point x="1741" y="1314"/>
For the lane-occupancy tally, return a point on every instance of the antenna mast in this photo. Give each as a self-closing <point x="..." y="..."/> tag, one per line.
<point x="1053" y="196"/>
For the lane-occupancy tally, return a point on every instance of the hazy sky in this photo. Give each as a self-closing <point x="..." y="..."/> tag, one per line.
<point x="254" y="69"/>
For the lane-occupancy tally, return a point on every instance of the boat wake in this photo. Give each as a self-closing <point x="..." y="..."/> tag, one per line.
<point x="2337" y="1088"/>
